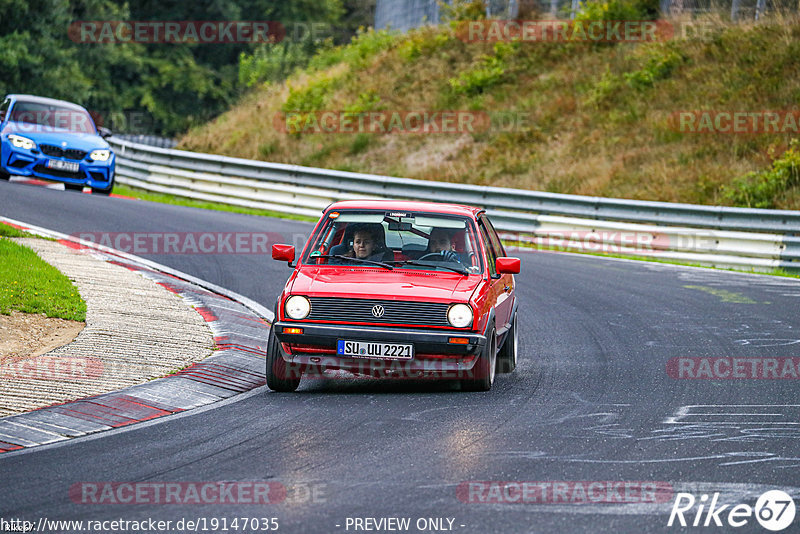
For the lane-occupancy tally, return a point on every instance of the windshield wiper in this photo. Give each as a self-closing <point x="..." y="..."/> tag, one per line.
<point x="461" y="270"/>
<point x="348" y="258"/>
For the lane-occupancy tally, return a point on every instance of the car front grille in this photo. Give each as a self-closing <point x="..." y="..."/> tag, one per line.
<point x="57" y="151"/>
<point x="394" y="312"/>
<point x="58" y="173"/>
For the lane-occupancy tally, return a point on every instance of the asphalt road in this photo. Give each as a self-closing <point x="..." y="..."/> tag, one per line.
<point x="591" y="401"/>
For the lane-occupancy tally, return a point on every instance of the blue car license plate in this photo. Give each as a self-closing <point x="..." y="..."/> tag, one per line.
<point x="62" y="165"/>
<point x="367" y="349"/>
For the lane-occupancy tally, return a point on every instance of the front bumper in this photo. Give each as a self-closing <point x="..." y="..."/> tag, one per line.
<point x="434" y="355"/>
<point x="33" y="163"/>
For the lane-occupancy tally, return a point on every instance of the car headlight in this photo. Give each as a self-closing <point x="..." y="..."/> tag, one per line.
<point x="100" y="155"/>
<point x="21" y="142"/>
<point x="297" y="307"/>
<point x="460" y="315"/>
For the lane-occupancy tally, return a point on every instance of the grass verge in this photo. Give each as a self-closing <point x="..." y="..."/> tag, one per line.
<point x="7" y="230"/>
<point x="31" y="285"/>
<point x="180" y="201"/>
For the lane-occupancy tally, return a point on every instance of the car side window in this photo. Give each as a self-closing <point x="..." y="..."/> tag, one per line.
<point x="490" y="251"/>
<point x="4" y="109"/>
<point x="496" y="243"/>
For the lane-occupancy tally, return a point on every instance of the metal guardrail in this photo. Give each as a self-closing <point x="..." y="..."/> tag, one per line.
<point x="720" y="236"/>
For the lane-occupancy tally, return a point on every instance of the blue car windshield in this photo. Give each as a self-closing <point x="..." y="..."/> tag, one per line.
<point x="47" y="117"/>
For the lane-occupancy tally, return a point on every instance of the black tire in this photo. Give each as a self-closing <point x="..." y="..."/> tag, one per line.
<point x="507" y="357"/>
<point x="278" y="376"/>
<point x="104" y="192"/>
<point x="484" y="370"/>
<point x="4" y="175"/>
<point x="78" y="188"/>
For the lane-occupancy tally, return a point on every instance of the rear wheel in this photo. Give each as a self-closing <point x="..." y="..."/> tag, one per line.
<point x="279" y="377"/>
<point x="507" y="358"/>
<point x="484" y="370"/>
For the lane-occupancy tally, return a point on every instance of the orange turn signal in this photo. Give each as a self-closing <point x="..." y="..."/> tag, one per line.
<point x="459" y="340"/>
<point x="287" y="330"/>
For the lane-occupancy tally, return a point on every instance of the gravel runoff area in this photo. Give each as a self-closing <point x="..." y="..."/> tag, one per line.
<point x="135" y="331"/>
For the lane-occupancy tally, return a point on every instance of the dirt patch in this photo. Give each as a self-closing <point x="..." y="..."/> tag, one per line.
<point x="26" y="335"/>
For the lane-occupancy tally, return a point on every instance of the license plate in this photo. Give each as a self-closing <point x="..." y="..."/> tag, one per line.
<point x="63" y="165"/>
<point x="366" y="349"/>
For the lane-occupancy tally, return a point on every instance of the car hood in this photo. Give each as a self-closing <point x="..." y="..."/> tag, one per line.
<point x="399" y="284"/>
<point x="56" y="136"/>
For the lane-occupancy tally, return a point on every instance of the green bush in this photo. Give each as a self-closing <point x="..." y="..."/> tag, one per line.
<point x="618" y="10"/>
<point x="360" y="144"/>
<point x="462" y="10"/>
<point x="358" y="53"/>
<point x="489" y="71"/>
<point x="423" y="42"/>
<point x="312" y="97"/>
<point x="369" y="101"/>
<point x="762" y="189"/>
<point x="658" y="67"/>
<point x="275" y="62"/>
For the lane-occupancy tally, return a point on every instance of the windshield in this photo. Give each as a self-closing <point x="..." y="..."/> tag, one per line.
<point x="47" y="117"/>
<point x="408" y="240"/>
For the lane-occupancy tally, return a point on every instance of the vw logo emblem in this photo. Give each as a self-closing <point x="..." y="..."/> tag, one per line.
<point x="378" y="311"/>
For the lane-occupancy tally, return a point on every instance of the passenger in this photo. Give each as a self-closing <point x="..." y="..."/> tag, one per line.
<point x="368" y="244"/>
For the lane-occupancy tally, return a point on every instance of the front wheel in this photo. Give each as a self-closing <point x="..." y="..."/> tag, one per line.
<point x="484" y="370"/>
<point x="78" y="188"/>
<point x="4" y="175"/>
<point x="104" y="192"/>
<point x="279" y="377"/>
<point x="507" y="358"/>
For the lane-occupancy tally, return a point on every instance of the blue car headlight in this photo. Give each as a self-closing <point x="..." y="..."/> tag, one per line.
<point x="100" y="155"/>
<point x="21" y="142"/>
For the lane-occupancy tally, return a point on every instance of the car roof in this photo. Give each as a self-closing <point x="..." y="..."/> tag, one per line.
<point x="44" y="100"/>
<point x="407" y="205"/>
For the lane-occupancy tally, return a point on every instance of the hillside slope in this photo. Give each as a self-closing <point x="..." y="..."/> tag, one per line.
<point x="591" y="119"/>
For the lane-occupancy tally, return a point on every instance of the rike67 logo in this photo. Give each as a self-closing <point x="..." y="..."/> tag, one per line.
<point x="774" y="510"/>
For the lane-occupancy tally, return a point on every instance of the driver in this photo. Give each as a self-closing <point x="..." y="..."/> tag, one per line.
<point x="441" y="241"/>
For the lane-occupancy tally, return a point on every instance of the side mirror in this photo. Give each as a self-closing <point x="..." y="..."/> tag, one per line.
<point x="105" y="133"/>
<point x="283" y="253"/>
<point x="508" y="265"/>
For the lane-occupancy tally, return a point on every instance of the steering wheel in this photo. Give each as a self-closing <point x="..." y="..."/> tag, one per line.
<point x="440" y="256"/>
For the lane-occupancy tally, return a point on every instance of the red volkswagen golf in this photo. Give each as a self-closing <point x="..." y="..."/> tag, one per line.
<point x="397" y="289"/>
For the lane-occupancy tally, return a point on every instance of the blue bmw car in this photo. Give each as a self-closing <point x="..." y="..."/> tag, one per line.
<point x="54" y="140"/>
